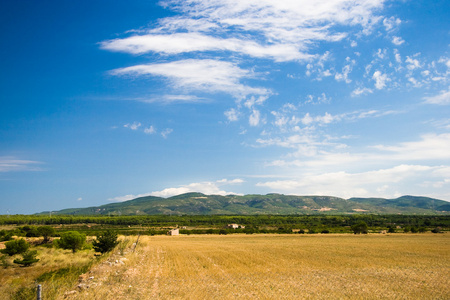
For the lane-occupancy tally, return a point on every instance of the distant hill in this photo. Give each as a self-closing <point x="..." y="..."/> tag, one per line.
<point x="200" y="204"/>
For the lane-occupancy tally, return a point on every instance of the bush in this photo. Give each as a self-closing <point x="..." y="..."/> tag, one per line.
<point x="28" y="258"/>
<point x="325" y="231"/>
<point x="360" y="227"/>
<point x="72" y="240"/>
<point x="46" y="232"/>
<point x="436" y="230"/>
<point x="16" y="247"/>
<point x="106" y="242"/>
<point x="5" y="235"/>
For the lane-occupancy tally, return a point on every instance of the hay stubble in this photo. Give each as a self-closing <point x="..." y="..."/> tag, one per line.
<point x="279" y="267"/>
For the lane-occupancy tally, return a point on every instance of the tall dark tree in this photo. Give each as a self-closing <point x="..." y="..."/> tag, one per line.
<point x="106" y="241"/>
<point x="360" y="227"/>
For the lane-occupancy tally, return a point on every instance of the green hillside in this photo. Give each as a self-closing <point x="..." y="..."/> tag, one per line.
<point x="200" y="204"/>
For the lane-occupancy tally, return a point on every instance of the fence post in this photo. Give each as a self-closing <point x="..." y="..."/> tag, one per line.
<point x="39" y="292"/>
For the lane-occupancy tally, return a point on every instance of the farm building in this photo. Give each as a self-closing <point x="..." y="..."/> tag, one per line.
<point x="235" y="226"/>
<point x="175" y="231"/>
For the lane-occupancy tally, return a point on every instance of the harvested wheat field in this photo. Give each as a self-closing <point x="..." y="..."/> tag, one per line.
<point x="275" y="267"/>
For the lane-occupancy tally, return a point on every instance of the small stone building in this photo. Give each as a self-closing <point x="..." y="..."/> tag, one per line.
<point x="175" y="231"/>
<point x="235" y="226"/>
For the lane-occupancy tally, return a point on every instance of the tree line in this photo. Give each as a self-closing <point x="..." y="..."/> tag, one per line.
<point x="156" y="224"/>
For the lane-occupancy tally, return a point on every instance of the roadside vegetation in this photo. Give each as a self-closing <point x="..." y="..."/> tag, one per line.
<point x="56" y="263"/>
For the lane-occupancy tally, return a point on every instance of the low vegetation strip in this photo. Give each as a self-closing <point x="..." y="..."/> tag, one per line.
<point x="400" y="266"/>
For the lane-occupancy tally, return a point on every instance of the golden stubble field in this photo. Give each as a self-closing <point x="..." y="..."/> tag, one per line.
<point x="399" y="266"/>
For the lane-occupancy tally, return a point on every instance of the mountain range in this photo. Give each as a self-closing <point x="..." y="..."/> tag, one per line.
<point x="201" y="204"/>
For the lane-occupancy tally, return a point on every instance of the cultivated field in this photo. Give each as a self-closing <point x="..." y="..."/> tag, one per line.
<point x="398" y="266"/>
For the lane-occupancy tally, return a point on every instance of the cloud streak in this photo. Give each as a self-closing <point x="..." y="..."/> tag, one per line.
<point x="13" y="164"/>
<point x="201" y="75"/>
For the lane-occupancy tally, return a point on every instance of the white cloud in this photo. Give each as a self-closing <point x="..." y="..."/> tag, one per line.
<point x="391" y="23"/>
<point x="165" y="133"/>
<point x="207" y="187"/>
<point x="204" y="75"/>
<point x="284" y="30"/>
<point x="232" y="115"/>
<point x="13" y="164"/>
<point x="133" y="126"/>
<point x="360" y="184"/>
<point x="361" y="91"/>
<point x="397" y="40"/>
<point x="315" y="152"/>
<point x="412" y="63"/>
<point x="443" y="98"/>
<point x="380" y="79"/>
<point x="189" y="42"/>
<point x="79" y="199"/>
<point x="169" y="99"/>
<point x="430" y="147"/>
<point x="150" y="130"/>
<point x="254" y="118"/>
<point x="128" y="197"/>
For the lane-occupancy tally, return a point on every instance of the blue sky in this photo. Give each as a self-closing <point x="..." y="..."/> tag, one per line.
<point x="105" y="101"/>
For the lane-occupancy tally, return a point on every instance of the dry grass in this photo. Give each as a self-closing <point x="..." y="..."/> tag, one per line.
<point x="14" y="278"/>
<point x="399" y="266"/>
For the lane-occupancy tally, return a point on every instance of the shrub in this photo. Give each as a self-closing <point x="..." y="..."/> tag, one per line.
<point x="106" y="242"/>
<point x="16" y="247"/>
<point x="325" y="231"/>
<point x="360" y="227"/>
<point x="436" y="230"/>
<point x="28" y="258"/>
<point x="46" y="232"/>
<point x="72" y="240"/>
<point x="5" y="235"/>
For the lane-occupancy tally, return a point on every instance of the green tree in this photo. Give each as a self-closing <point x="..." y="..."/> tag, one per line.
<point x="72" y="240"/>
<point x="46" y="232"/>
<point x="106" y="242"/>
<point x="360" y="227"/>
<point x="28" y="258"/>
<point x="16" y="247"/>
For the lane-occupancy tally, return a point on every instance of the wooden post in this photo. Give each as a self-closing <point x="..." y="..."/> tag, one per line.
<point x="39" y="292"/>
<point x="137" y="241"/>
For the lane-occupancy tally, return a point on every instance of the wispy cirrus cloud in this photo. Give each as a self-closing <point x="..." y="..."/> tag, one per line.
<point x="282" y="30"/>
<point x="13" y="164"/>
<point x="443" y="98"/>
<point x="201" y="75"/>
<point x="178" y="43"/>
